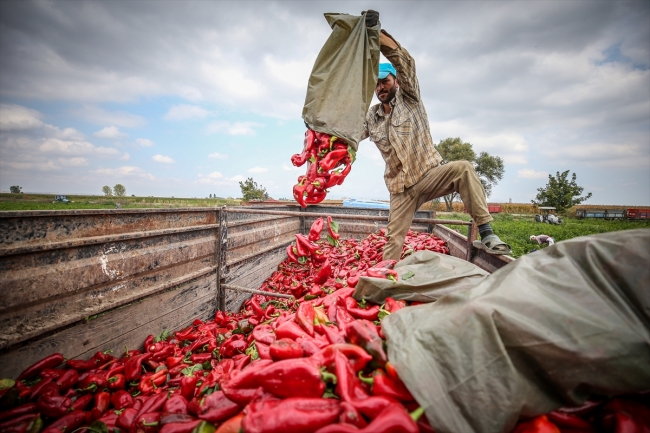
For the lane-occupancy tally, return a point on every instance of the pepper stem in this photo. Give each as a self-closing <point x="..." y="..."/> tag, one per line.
<point x="417" y="413"/>
<point x="368" y="380"/>
<point x="328" y="377"/>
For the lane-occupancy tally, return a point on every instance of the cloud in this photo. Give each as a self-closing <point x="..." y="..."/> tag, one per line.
<point x="99" y="116"/>
<point x="162" y="159"/>
<point x="215" y="175"/>
<point x="144" y="142"/>
<point x="185" y="112"/>
<point x="111" y="132"/>
<point x="527" y="173"/>
<point x="216" y="178"/>
<point x="257" y="170"/>
<point x="18" y="118"/>
<point x="126" y="171"/>
<point x="288" y="167"/>
<point x="217" y="155"/>
<point x="232" y="128"/>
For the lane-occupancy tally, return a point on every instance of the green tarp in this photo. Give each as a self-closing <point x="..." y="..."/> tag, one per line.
<point x="546" y="331"/>
<point x="343" y="79"/>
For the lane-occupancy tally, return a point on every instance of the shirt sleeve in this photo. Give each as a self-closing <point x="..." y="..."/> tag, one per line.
<point x="405" y="66"/>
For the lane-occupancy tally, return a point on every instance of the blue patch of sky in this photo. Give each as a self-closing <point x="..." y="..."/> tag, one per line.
<point x="613" y="54"/>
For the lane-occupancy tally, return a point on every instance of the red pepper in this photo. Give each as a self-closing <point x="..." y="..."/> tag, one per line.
<point x="117" y="381"/>
<point x="299" y="159"/>
<point x="299" y="193"/>
<point x="332" y="228"/>
<point x="364" y="333"/>
<point x="153" y="404"/>
<point x="82" y="402"/>
<point x="54" y="373"/>
<point x="316" y="196"/>
<point x="67" y="380"/>
<point x="391" y="305"/>
<point x="297" y="415"/>
<point x="24" y="409"/>
<point x="394" y="418"/>
<point x="357" y="357"/>
<point x="348" y="385"/>
<point x="172" y="418"/>
<point x="387" y="387"/>
<point x="217" y="407"/>
<point x="121" y="399"/>
<point x="292" y="378"/>
<point x="92" y="381"/>
<point x="332" y="159"/>
<point x="370" y="314"/>
<point x="67" y="423"/>
<point x="264" y="334"/>
<point x="180" y="427"/>
<point x="133" y="367"/>
<point x="233" y="425"/>
<point x="126" y="419"/>
<point x="176" y="404"/>
<point x="81" y="365"/>
<point x="53" y="405"/>
<point x="200" y="358"/>
<point x="102" y="403"/>
<point x="323" y="273"/>
<point x="285" y="348"/>
<point x="331" y="333"/>
<point x="540" y="424"/>
<point x="42" y="386"/>
<point x="188" y="386"/>
<point x="263" y="350"/>
<point x="568" y="421"/>
<point x="32" y="371"/>
<point x="385" y="273"/>
<point x="316" y="229"/>
<point x="147" y="422"/>
<point x="289" y="329"/>
<point x="305" y="317"/>
<point x="351" y="416"/>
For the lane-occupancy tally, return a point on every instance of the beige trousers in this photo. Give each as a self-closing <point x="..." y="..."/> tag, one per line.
<point x="455" y="176"/>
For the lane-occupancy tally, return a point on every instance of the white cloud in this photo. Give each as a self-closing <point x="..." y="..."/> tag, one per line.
<point x="111" y="132"/>
<point x="528" y="173"/>
<point x="184" y="112"/>
<point x="232" y="128"/>
<point x="217" y="155"/>
<point x="107" y="151"/>
<point x="238" y="178"/>
<point x="216" y="178"/>
<point x="128" y="171"/>
<point x="99" y="116"/>
<point x="257" y="170"/>
<point x="144" y="142"/>
<point x="18" y="118"/>
<point x="162" y="159"/>
<point x="125" y="156"/>
<point x="73" y="162"/>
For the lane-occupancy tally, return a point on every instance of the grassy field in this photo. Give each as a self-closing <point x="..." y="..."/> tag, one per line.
<point x="516" y="229"/>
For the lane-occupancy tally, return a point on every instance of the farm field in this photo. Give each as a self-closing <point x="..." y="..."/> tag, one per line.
<point x="516" y="229"/>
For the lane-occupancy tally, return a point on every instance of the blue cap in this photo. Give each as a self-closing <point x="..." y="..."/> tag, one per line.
<point x="385" y="69"/>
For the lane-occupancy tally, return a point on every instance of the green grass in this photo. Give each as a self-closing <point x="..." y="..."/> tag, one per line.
<point x="516" y="230"/>
<point x="44" y="202"/>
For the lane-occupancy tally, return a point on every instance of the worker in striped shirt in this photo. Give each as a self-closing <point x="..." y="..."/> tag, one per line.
<point x="415" y="171"/>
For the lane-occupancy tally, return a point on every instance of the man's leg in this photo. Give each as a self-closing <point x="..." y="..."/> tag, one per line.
<point x="402" y="209"/>
<point x="460" y="177"/>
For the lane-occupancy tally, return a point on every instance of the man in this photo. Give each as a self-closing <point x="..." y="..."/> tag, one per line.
<point x="542" y="239"/>
<point x="415" y="172"/>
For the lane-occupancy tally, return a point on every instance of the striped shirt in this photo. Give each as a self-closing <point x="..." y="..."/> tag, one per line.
<point x="402" y="136"/>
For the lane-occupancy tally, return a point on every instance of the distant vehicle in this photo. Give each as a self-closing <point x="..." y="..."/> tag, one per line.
<point x="61" y="199"/>
<point x="547" y="216"/>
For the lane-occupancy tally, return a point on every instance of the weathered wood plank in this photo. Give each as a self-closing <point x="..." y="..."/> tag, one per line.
<point x="127" y="326"/>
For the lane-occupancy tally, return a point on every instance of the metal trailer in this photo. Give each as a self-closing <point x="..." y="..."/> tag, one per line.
<point x="494" y="208"/>
<point x="637" y="214"/>
<point x="80" y="281"/>
<point x="612" y="214"/>
<point x="590" y="213"/>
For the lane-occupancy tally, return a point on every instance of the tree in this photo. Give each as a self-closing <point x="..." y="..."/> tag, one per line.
<point x="250" y="190"/>
<point x="119" y="190"/>
<point x="489" y="168"/>
<point x="15" y="189"/>
<point x="560" y="193"/>
<point x="107" y="190"/>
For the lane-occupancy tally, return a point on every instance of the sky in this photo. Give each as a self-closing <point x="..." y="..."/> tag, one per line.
<point x="188" y="98"/>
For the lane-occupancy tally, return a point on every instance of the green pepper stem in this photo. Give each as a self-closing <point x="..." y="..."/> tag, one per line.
<point x="417" y="413"/>
<point x="368" y="380"/>
<point x="329" y="377"/>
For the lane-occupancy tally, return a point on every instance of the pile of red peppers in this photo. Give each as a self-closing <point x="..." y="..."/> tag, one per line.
<point x="329" y="160"/>
<point x="315" y="363"/>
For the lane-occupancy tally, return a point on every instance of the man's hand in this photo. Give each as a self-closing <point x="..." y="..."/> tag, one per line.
<point x="372" y="17"/>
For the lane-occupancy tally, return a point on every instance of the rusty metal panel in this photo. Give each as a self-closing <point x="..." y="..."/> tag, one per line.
<point x="58" y="268"/>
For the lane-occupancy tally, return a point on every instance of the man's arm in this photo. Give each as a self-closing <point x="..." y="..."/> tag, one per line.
<point x="404" y="64"/>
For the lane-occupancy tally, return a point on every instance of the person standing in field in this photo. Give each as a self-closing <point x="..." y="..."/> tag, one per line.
<point x="415" y="172"/>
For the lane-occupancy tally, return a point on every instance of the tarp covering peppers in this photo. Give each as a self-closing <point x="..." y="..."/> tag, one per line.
<point x="315" y="363"/>
<point x="329" y="160"/>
